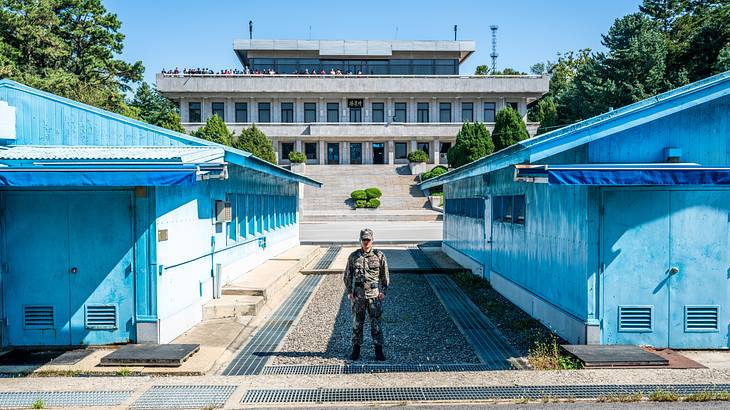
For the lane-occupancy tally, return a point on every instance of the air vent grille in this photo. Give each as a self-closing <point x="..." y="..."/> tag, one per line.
<point x="101" y="316"/>
<point x="38" y="316"/>
<point x="635" y="318"/>
<point x="701" y="318"/>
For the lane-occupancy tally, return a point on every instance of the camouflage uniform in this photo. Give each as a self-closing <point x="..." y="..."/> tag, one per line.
<point x="366" y="276"/>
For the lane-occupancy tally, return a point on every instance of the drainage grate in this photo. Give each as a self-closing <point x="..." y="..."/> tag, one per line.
<point x="252" y="358"/>
<point x="421" y="259"/>
<point x="374" y="368"/>
<point x="184" y="397"/>
<point x="464" y="393"/>
<point x="326" y="260"/>
<point x="63" y="398"/>
<point x="488" y="342"/>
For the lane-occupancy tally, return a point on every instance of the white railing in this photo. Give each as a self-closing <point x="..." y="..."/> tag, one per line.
<point x="344" y="76"/>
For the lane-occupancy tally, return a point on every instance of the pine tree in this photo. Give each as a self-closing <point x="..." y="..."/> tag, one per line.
<point x="155" y="109"/>
<point x="472" y="142"/>
<point x="257" y="143"/>
<point x="215" y="130"/>
<point x="509" y="129"/>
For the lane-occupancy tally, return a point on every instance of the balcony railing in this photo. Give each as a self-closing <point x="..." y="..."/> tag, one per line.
<point x="328" y="75"/>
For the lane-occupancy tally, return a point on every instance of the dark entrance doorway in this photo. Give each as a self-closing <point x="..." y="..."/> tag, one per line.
<point x="333" y="153"/>
<point x="355" y="153"/>
<point x="378" y="153"/>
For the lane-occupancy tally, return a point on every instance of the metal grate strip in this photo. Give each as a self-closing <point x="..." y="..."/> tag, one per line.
<point x="464" y="393"/>
<point x="254" y="355"/>
<point x="490" y="345"/>
<point x="421" y="259"/>
<point x="63" y="398"/>
<point x="375" y="368"/>
<point x="184" y="397"/>
<point x="326" y="260"/>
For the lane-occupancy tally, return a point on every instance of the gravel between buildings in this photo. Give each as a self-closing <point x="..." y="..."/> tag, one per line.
<point x="417" y="328"/>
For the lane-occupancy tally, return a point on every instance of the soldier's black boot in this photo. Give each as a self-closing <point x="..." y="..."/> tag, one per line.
<point x="379" y="356"/>
<point x="355" y="352"/>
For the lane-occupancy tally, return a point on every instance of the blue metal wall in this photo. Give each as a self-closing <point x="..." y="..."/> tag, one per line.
<point x="195" y="244"/>
<point x="556" y="255"/>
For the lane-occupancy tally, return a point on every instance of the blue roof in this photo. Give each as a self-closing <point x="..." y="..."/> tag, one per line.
<point x="601" y="126"/>
<point x="104" y="128"/>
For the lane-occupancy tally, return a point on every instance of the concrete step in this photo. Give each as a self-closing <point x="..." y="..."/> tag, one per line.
<point x="233" y="306"/>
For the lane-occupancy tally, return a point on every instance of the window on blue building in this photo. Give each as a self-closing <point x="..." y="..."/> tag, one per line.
<point x="509" y="209"/>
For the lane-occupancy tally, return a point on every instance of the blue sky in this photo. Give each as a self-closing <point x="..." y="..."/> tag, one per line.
<point x="165" y="33"/>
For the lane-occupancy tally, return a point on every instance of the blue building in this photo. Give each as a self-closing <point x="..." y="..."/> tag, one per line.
<point x="612" y="230"/>
<point x="117" y="231"/>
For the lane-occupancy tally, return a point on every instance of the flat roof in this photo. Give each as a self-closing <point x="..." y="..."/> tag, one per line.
<point x="360" y="48"/>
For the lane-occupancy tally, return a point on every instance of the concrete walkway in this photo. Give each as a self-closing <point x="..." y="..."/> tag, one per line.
<point x="385" y="232"/>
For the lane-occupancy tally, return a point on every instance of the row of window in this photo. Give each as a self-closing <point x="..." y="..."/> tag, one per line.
<point x="400" y="149"/>
<point x="241" y="112"/>
<point x="508" y="209"/>
<point x="257" y="214"/>
<point x="471" y="207"/>
<point x="505" y="208"/>
<point x="369" y="67"/>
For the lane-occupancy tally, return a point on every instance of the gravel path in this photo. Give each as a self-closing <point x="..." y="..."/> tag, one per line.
<point x="417" y="328"/>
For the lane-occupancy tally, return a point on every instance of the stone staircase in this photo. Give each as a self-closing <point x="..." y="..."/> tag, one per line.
<point x="247" y="295"/>
<point x="401" y="200"/>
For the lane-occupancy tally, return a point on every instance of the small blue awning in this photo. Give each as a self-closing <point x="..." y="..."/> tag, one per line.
<point x="97" y="176"/>
<point x="624" y="174"/>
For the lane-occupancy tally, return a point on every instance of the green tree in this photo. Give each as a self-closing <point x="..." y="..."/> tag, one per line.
<point x="509" y="129"/>
<point x="544" y="111"/>
<point x="257" y="143"/>
<point x="482" y="70"/>
<point x="67" y="47"/>
<point x="662" y="11"/>
<point x="215" y="130"/>
<point x="155" y="109"/>
<point x="472" y="142"/>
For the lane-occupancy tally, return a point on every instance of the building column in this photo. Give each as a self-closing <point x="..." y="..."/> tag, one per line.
<point x="230" y="113"/>
<point x="298" y="110"/>
<point x="321" y="110"/>
<point x="390" y="147"/>
<point x="344" y="111"/>
<point x="322" y="152"/>
<point x="434" y="106"/>
<point x="411" y="109"/>
<point x="501" y="104"/>
<point x="205" y="109"/>
<point x="367" y="152"/>
<point x="366" y="110"/>
<point x="389" y="110"/>
<point x="436" y="151"/>
<point x="479" y="110"/>
<point x="414" y="145"/>
<point x="345" y="157"/>
<point x="253" y="111"/>
<point x="184" y="113"/>
<point x="275" y="110"/>
<point x="456" y="110"/>
<point x="522" y="108"/>
<point x="298" y="146"/>
<point x="277" y="150"/>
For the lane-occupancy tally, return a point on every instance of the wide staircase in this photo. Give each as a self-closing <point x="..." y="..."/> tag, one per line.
<point x="401" y="200"/>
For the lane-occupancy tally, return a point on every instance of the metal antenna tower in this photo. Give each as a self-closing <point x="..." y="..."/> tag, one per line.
<point x="494" y="54"/>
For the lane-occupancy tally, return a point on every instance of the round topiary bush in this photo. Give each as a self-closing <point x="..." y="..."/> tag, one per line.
<point x="439" y="167"/>
<point x="361" y="203"/>
<point x="359" y="195"/>
<point x="297" y="157"/>
<point x="417" y="156"/>
<point x="373" y="193"/>
<point x="373" y="203"/>
<point x="438" y="171"/>
<point x="426" y="175"/>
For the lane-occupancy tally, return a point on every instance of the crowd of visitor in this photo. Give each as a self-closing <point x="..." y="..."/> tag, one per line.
<point x="247" y="70"/>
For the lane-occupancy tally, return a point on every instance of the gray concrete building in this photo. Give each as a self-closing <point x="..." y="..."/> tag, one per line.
<point x="351" y="102"/>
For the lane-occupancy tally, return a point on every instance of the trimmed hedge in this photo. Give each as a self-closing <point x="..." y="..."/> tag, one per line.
<point x="359" y="195"/>
<point x="361" y="203"/>
<point x="297" y="157"/>
<point x="373" y="203"/>
<point x="373" y="193"/>
<point x="417" y="156"/>
<point x="436" y="171"/>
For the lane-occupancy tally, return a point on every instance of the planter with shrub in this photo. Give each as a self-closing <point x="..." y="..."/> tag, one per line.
<point x="298" y="161"/>
<point x="417" y="162"/>
<point x="433" y="173"/>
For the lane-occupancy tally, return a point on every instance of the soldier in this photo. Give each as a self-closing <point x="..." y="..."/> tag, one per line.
<point x="367" y="280"/>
